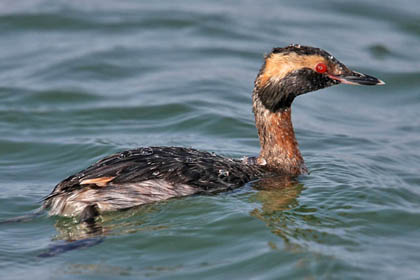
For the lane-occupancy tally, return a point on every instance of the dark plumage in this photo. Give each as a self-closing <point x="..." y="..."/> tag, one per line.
<point x="202" y="172"/>
<point x="175" y="165"/>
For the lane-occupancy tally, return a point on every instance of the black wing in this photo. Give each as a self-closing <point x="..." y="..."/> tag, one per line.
<point x="206" y="171"/>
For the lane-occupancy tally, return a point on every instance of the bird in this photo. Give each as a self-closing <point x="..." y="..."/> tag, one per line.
<point x="150" y="174"/>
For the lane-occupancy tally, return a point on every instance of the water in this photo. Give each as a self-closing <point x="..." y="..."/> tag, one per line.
<point x="82" y="79"/>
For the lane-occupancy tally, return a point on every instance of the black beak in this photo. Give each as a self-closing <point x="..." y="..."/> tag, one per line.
<point x="356" y="78"/>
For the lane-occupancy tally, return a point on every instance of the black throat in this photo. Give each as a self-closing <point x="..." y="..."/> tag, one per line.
<point x="278" y="95"/>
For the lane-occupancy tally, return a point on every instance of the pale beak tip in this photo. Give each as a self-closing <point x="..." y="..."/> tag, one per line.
<point x="381" y="83"/>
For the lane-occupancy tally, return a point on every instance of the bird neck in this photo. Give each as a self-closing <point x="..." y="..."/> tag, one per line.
<point x="279" y="148"/>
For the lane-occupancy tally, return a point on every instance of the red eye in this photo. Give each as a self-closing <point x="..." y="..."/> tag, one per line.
<point x="321" y="68"/>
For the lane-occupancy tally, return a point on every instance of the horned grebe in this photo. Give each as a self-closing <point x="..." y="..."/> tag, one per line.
<point x="146" y="175"/>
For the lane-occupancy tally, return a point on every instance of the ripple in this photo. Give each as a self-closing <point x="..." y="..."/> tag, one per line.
<point x="83" y="79"/>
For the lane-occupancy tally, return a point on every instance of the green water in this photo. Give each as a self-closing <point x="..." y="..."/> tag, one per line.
<point x="82" y="79"/>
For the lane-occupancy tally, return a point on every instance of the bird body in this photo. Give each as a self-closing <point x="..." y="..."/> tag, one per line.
<point x="146" y="175"/>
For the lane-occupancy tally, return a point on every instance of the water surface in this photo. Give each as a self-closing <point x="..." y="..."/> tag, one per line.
<point x="82" y="79"/>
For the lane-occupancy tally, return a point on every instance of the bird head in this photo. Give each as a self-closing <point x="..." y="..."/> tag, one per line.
<point x="295" y="70"/>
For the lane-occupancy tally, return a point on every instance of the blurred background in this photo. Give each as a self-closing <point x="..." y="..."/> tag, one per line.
<point x="82" y="79"/>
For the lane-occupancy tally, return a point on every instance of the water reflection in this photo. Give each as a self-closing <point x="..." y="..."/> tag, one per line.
<point x="275" y="194"/>
<point x="278" y="198"/>
<point x="301" y="227"/>
<point x="72" y="234"/>
<point x="115" y="223"/>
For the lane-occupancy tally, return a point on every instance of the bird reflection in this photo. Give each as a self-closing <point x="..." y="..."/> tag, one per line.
<point x="73" y="234"/>
<point x="279" y="200"/>
<point x="122" y="222"/>
<point x="275" y="194"/>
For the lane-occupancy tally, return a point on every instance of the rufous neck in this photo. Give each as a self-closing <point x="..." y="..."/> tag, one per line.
<point x="279" y="148"/>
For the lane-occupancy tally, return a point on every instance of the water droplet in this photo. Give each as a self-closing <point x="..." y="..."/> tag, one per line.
<point x="249" y="160"/>
<point x="223" y="173"/>
<point x="189" y="160"/>
<point x="262" y="161"/>
<point x="146" y="151"/>
<point x="124" y="154"/>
